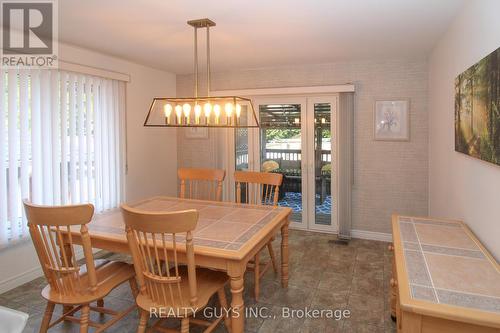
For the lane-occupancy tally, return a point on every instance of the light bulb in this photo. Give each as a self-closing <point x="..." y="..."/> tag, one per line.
<point x="207" y="109"/>
<point x="217" y="110"/>
<point x="197" y="113"/>
<point x="186" y="108"/>
<point x="229" y="109"/>
<point x="178" y="113"/>
<point x="238" y="110"/>
<point x="167" y="109"/>
<point x="297" y="120"/>
<point x="217" y="113"/>
<point x="323" y="120"/>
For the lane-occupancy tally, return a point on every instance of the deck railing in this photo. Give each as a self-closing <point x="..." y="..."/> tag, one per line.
<point x="294" y="155"/>
<point x="283" y="155"/>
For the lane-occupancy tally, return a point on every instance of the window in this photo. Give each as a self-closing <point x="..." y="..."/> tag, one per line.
<point x="60" y="143"/>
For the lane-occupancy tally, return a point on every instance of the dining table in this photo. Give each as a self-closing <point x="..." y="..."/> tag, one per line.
<point x="227" y="236"/>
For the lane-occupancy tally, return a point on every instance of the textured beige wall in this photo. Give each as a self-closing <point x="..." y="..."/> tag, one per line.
<point x="388" y="176"/>
<point x="462" y="187"/>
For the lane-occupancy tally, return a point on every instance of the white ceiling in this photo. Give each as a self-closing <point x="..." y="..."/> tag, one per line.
<point x="256" y="33"/>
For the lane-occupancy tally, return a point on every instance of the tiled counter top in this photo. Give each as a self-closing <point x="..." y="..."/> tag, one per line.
<point x="444" y="271"/>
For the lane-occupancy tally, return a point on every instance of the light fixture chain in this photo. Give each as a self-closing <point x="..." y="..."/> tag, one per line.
<point x="208" y="61"/>
<point x="196" y="62"/>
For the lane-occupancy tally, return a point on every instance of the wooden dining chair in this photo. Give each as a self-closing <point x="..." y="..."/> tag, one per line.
<point x="204" y="184"/>
<point x="71" y="285"/>
<point x="259" y="188"/>
<point x="179" y="291"/>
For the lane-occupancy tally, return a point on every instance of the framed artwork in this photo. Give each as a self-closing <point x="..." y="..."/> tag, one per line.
<point x="477" y="109"/>
<point x="196" y="133"/>
<point x="392" y="120"/>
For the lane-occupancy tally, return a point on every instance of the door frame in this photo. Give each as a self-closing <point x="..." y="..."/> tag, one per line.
<point x="256" y="144"/>
<point x="313" y="93"/>
<point x="334" y="142"/>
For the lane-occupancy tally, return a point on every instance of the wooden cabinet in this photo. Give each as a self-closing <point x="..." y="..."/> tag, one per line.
<point x="443" y="280"/>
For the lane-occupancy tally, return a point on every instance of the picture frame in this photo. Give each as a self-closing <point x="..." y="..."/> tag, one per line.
<point x="196" y="133"/>
<point x="477" y="101"/>
<point x="391" y="120"/>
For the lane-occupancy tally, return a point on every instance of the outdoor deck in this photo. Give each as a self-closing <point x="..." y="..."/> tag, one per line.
<point x="294" y="201"/>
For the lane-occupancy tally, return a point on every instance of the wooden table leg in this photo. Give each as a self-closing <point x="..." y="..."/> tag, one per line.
<point x="284" y="254"/>
<point x="236" y="273"/>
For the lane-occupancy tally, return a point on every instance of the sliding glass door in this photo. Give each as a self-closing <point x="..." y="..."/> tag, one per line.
<point x="295" y="139"/>
<point x="321" y="156"/>
<point x="281" y="150"/>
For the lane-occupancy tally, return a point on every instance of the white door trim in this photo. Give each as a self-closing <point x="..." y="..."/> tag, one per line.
<point x="334" y="189"/>
<point x="256" y="146"/>
<point x="291" y="94"/>
<point x="310" y="90"/>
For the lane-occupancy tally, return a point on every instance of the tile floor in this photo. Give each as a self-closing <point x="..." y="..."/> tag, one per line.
<point x="322" y="276"/>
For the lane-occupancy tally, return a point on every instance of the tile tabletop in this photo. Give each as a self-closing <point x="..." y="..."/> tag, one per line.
<point x="221" y="225"/>
<point x="445" y="265"/>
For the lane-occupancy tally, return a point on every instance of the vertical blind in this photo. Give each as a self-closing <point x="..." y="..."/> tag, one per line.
<point x="60" y="143"/>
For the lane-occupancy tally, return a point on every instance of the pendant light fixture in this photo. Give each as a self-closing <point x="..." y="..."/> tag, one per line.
<point x="207" y="111"/>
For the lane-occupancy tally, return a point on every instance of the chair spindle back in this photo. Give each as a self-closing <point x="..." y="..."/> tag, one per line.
<point x="258" y="188"/>
<point x="205" y="184"/>
<point x="153" y="239"/>
<point x="56" y="251"/>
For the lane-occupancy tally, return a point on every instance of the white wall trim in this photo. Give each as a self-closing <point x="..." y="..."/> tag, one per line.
<point x="20" y="279"/>
<point x="286" y="90"/>
<point x="89" y="70"/>
<point x="371" y="235"/>
<point x="361" y="234"/>
<point x="32" y="273"/>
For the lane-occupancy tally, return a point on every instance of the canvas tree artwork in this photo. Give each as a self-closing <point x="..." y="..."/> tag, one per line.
<point x="477" y="109"/>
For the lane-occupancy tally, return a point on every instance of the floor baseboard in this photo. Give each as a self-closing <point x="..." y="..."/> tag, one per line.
<point x="27" y="276"/>
<point x="20" y="279"/>
<point x="362" y="234"/>
<point x="371" y="235"/>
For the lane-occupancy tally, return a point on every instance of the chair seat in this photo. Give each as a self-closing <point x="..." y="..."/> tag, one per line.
<point x="110" y="274"/>
<point x="208" y="283"/>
